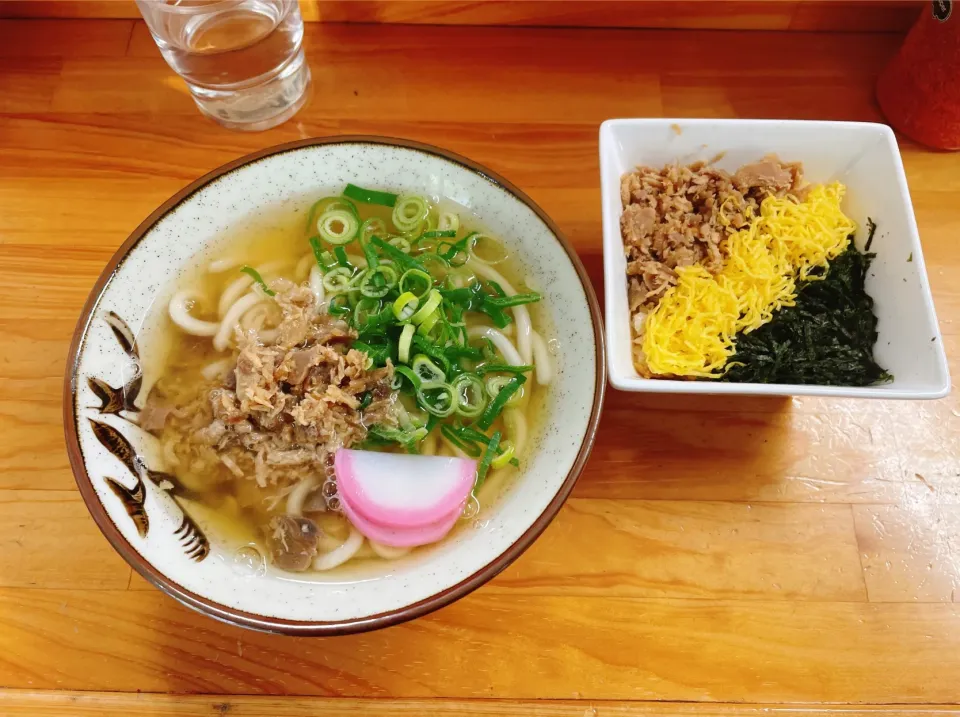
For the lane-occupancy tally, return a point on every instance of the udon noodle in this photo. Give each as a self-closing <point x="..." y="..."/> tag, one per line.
<point x="387" y="324"/>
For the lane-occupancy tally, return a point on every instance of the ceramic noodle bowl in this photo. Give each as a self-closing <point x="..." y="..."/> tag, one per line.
<point x="150" y="516"/>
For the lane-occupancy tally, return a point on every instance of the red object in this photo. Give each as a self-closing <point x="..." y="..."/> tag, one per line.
<point x="919" y="91"/>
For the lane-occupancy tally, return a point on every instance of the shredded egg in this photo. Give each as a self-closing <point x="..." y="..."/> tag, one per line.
<point x="692" y="330"/>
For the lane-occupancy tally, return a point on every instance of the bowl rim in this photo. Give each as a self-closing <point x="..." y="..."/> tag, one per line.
<point x="285" y="626"/>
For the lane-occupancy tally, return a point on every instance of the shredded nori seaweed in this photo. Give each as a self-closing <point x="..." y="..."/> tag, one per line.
<point x="827" y="338"/>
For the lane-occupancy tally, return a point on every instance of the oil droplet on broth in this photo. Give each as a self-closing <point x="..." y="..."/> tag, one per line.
<point x="471" y="509"/>
<point x="249" y="561"/>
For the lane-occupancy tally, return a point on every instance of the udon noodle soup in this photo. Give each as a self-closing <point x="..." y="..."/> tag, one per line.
<point x="375" y="323"/>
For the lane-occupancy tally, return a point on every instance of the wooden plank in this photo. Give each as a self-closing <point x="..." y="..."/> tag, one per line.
<point x="911" y="552"/>
<point x="28" y="85"/>
<point x="926" y="173"/>
<point x="68" y="9"/>
<point x="856" y="15"/>
<point x="104" y="146"/>
<point x="694" y="550"/>
<point x="32" y="455"/>
<point x="493" y="68"/>
<point x="842" y="456"/>
<point x="121" y="85"/>
<point x="619" y="89"/>
<point x="86" y="209"/>
<point x="686" y="549"/>
<point x="19" y="38"/>
<point x="590" y="648"/>
<point x="710" y="552"/>
<point x="23" y="703"/>
<point x="778" y="97"/>
<point x="576" y="13"/>
<point x="55" y="524"/>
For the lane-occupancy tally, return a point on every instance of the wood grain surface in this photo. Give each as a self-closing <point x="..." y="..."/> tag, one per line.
<point x="849" y="15"/>
<point x="23" y="703"/>
<point x="733" y="553"/>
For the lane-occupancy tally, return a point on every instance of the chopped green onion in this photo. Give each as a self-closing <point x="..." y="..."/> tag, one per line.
<point x="318" y="253"/>
<point x="472" y="298"/>
<point x="456" y="253"/>
<point x="464" y="297"/>
<point x="255" y="275"/>
<point x="488" y="456"/>
<point x="455" y="353"/>
<point x="378" y="354"/>
<point x="342" y="259"/>
<point x="406" y="338"/>
<point x="498" y="316"/>
<point x="440" y="234"/>
<point x="408" y="438"/>
<point x="428" y="324"/>
<point x="372" y="328"/>
<point x="369" y="196"/>
<point x="437" y="398"/>
<point x="472" y="434"/>
<point x="500" y="400"/>
<point x="451" y="435"/>
<point x="433" y="351"/>
<point x="384" y="275"/>
<point x="476" y="242"/>
<point x="337" y="280"/>
<point x="409" y="280"/>
<point x="365" y="400"/>
<point x="329" y="260"/>
<point x="322" y="205"/>
<point x="497" y="289"/>
<point x="470" y="395"/>
<point x="398" y="256"/>
<point x="365" y="308"/>
<point x="401" y="243"/>
<point x="502" y="368"/>
<point x="371" y="255"/>
<point x="405" y="305"/>
<point x="429" y="306"/>
<point x="427" y="371"/>
<point x="435" y="258"/>
<point x="515" y="300"/>
<point x="409" y="211"/>
<point x="495" y="385"/>
<point x="506" y="455"/>
<point x="338" y="226"/>
<point x="374" y="226"/>
<point x="449" y="221"/>
<point x="408" y="374"/>
<point x="339" y="305"/>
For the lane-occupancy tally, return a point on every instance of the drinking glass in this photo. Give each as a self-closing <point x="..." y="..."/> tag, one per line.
<point x="242" y="59"/>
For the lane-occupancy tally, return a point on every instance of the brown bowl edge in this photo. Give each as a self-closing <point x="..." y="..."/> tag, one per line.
<point x="303" y="627"/>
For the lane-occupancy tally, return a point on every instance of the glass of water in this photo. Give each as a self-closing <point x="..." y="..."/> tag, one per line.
<point x="242" y="59"/>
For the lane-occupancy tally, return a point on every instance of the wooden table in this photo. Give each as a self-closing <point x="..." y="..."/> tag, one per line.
<point x="717" y="554"/>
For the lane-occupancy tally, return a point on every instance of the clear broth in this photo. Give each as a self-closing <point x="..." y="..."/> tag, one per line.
<point x="235" y="508"/>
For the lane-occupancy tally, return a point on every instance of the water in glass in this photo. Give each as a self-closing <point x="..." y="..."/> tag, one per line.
<point x="242" y="59"/>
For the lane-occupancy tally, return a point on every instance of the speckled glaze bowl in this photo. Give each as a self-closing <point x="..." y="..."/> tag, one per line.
<point x="120" y="469"/>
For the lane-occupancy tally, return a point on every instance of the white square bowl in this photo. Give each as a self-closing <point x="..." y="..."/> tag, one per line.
<point x="865" y="157"/>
